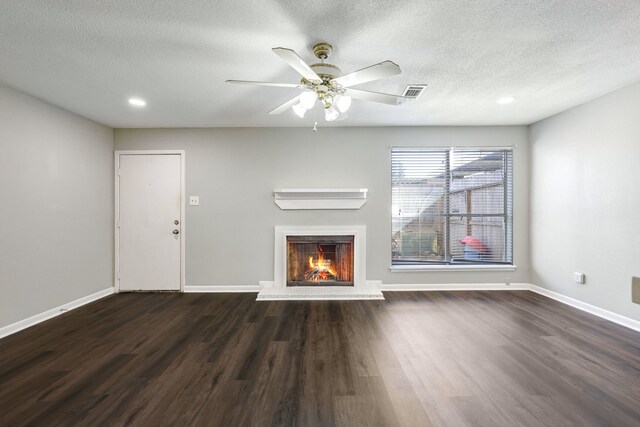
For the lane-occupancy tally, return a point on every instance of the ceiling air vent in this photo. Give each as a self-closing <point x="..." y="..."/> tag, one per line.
<point x="413" y="91"/>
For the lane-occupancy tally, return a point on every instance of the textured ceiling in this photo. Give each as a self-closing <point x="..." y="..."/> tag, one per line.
<point x="89" y="56"/>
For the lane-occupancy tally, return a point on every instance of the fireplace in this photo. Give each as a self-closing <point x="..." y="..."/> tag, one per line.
<point x="320" y="260"/>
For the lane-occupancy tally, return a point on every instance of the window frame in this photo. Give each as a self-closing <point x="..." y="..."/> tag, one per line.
<point x="449" y="263"/>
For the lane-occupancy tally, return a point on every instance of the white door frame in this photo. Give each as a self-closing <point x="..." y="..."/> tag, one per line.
<point x="116" y="226"/>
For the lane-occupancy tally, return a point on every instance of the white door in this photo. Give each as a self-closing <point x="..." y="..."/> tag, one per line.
<point x="149" y="227"/>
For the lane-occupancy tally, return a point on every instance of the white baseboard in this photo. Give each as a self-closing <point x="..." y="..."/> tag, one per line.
<point x="41" y="317"/>
<point x="222" y="288"/>
<point x="456" y="287"/>
<point x="592" y="309"/>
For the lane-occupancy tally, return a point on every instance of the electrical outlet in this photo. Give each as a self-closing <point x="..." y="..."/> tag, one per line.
<point x="194" y="200"/>
<point x="579" y="278"/>
<point x="507" y="281"/>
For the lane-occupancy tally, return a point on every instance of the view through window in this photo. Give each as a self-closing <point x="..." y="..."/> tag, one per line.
<point x="451" y="206"/>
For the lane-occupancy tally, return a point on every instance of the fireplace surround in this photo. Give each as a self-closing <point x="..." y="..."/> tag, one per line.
<point x="339" y="276"/>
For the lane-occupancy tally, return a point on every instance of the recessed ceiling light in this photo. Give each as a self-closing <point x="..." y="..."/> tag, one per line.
<point x="137" y="102"/>
<point x="506" y="100"/>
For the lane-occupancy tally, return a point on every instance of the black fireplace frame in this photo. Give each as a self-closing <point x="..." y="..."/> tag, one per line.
<point x="321" y="240"/>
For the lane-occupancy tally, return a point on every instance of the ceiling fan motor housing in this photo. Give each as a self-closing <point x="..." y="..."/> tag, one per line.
<point x="326" y="71"/>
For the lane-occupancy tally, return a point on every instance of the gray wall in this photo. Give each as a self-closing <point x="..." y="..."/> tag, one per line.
<point x="585" y="199"/>
<point x="56" y="209"/>
<point x="57" y="199"/>
<point x="234" y="171"/>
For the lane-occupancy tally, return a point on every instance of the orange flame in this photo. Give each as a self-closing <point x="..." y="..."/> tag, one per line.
<point x="324" y="269"/>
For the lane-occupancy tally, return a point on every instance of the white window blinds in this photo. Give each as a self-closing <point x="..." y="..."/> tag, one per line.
<point x="452" y="206"/>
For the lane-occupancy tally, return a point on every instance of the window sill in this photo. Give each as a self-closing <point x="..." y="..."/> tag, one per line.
<point x="414" y="268"/>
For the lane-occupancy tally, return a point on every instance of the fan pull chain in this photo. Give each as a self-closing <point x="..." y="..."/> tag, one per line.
<point x="315" y="120"/>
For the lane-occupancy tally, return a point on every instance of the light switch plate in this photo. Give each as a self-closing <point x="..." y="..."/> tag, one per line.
<point x="194" y="200"/>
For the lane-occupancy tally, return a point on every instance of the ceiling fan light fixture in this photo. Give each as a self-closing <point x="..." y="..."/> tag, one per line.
<point x="343" y="102"/>
<point x="330" y="114"/>
<point x="308" y="99"/>
<point x="299" y="110"/>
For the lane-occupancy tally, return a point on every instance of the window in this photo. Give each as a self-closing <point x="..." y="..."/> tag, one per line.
<point x="451" y="206"/>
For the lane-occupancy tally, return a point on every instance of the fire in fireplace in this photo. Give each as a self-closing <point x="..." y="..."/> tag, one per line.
<point x="320" y="260"/>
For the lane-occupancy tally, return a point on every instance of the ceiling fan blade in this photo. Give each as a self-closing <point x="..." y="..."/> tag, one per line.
<point x="249" y="82"/>
<point x="374" y="72"/>
<point x="285" y="106"/>
<point x="292" y="58"/>
<point x="384" y="98"/>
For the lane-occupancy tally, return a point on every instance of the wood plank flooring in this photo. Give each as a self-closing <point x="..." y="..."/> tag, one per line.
<point x="417" y="359"/>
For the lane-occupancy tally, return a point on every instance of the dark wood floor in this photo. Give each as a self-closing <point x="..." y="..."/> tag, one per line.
<point x="416" y="359"/>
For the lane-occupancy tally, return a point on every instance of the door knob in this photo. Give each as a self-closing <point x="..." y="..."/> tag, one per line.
<point x="176" y="231"/>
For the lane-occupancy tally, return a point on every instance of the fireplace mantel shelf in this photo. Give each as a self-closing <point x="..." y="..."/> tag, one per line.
<point x="320" y="198"/>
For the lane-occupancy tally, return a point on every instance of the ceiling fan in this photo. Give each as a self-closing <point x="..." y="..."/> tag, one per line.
<point x="325" y="83"/>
